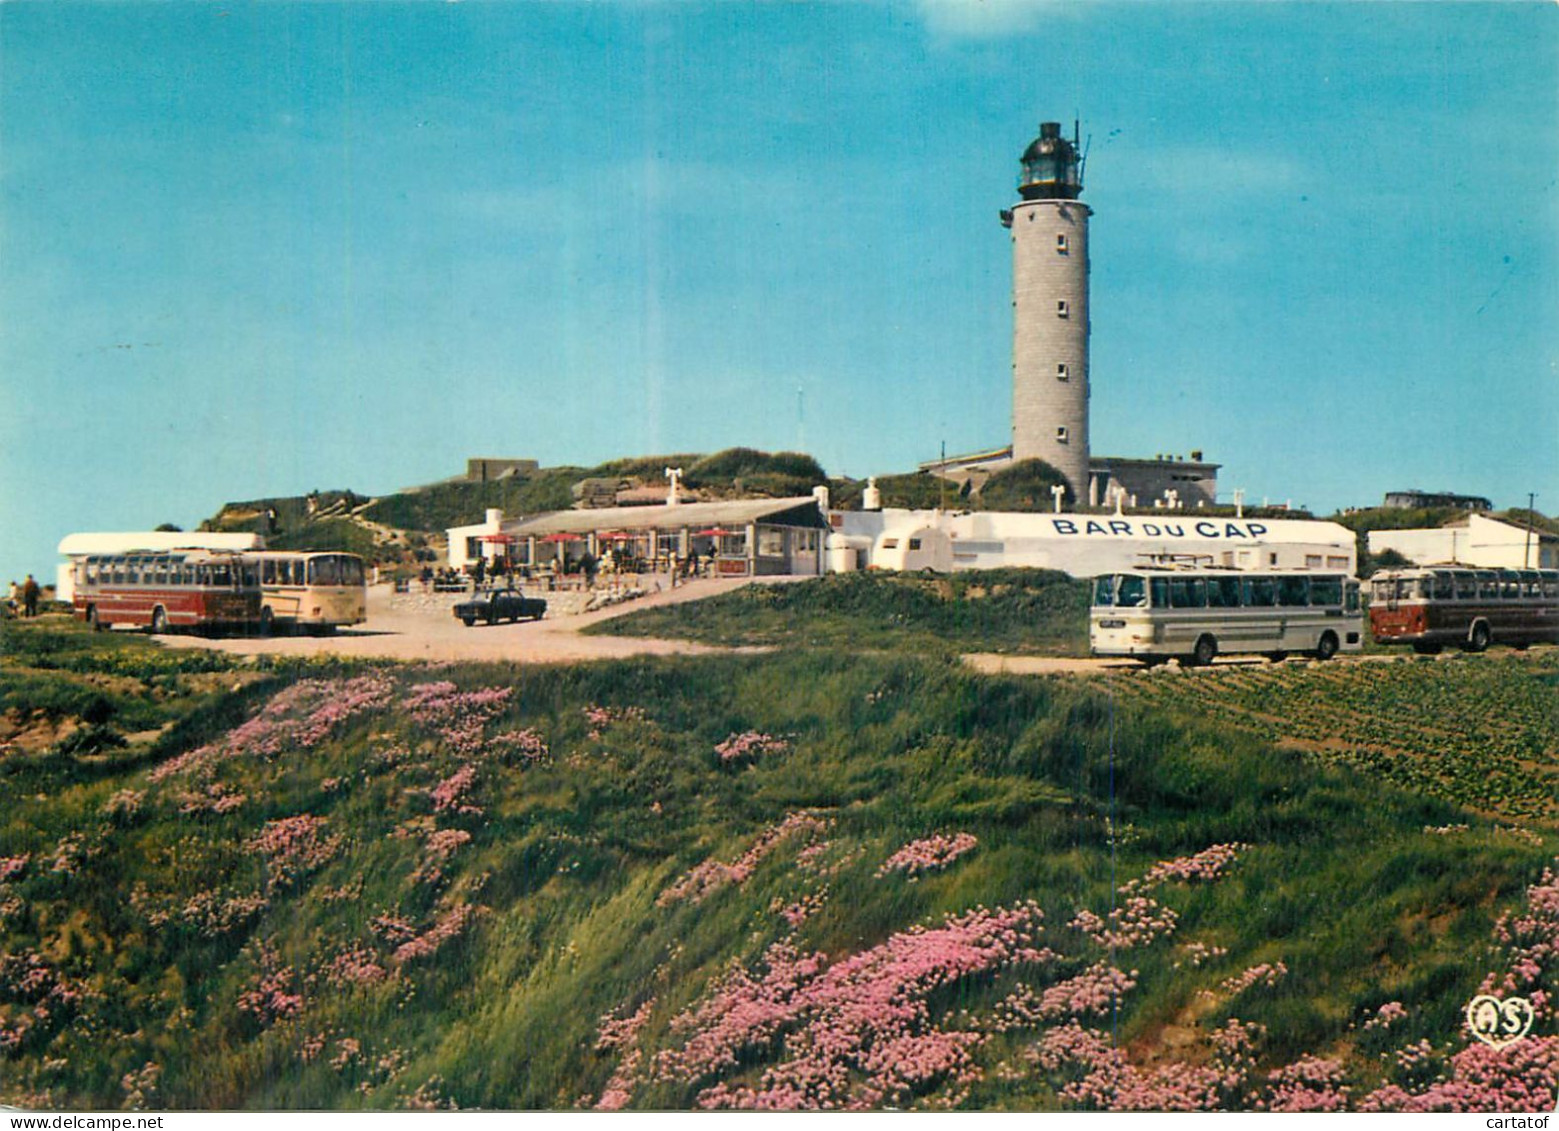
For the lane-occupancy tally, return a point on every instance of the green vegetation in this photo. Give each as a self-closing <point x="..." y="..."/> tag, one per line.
<point x="359" y="886"/>
<point x="1025" y="486"/>
<point x="435" y="509"/>
<point x="1006" y="610"/>
<point x="1476" y="730"/>
<point x="916" y="491"/>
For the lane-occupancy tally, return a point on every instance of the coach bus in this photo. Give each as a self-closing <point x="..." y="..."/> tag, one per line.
<point x="1195" y="615"/>
<point x="1434" y="606"/>
<point x="201" y="590"/>
<point x="309" y="591"/>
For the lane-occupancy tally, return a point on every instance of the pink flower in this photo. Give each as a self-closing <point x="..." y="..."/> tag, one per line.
<point x="931" y="854"/>
<point x="749" y="745"/>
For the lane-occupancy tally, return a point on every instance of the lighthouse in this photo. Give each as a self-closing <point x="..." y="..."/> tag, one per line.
<point x="1049" y="229"/>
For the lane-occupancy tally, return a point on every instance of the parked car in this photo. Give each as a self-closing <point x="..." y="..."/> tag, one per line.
<point x="499" y="604"/>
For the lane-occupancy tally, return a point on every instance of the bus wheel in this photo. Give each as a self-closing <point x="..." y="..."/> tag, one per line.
<point x="92" y="619"/>
<point x="1277" y="657"/>
<point x="1205" y="652"/>
<point x="1326" y="647"/>
<point x="159" y="622"/>
<point x="1479" y="638"/>
<point x="267" y="621"/>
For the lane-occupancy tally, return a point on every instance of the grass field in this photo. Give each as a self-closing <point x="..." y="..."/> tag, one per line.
<point x="812" y="878"/>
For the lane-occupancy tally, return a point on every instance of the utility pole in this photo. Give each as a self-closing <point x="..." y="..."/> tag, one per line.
<point x="941" y="480"/>
<point x="1526" y="557"/>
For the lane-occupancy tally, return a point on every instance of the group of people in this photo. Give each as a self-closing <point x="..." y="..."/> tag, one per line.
<point x="23" y="598"/>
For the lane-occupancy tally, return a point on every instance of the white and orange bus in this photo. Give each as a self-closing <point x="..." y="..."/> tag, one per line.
<point x="1470" y="608"/>
<point x="199" y="590"/>
<point x="310" y="591"/>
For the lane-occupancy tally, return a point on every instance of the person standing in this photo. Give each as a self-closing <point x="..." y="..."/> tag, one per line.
<point x="30" y="597"/>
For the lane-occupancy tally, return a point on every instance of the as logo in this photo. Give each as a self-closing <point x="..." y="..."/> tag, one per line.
<point x="1497" y="1022"/>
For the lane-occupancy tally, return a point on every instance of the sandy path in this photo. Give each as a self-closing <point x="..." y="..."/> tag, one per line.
<point x="401" y="634"/>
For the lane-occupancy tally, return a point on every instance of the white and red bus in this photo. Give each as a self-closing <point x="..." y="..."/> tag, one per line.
<point x="1433" y="606"/>
<point x="202" y="590"/>
<point x="1195" y="615"/>
<point x="310" y="591"/>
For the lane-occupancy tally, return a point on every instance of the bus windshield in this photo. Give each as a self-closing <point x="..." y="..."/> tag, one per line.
<point x="335" y="569"/>
<point x="1120" y="591"/>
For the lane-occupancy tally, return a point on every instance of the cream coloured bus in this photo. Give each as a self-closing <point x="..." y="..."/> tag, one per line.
<point x="309" y="591"/>
<point x="1195" y="615"/>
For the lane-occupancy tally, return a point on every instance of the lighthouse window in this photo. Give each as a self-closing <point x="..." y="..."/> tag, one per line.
<point x="1061" y="434"/>
<point x="1063" y="309"/>
<point x="1062" y="372"/>
<point x="1062" y="247"/>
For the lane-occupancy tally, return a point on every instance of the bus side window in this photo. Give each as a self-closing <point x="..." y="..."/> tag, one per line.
<point x="1326" y="591"/>
<point x="1466" y="586"/>
<point x="1351" y="596"/>
<point x="1488" y="587"/>
<point x="1443" y="589"/>
<point x="1198" y="593"/>
<point x="1103" y="592"/>
<point x="1158" y="592"/>
<point x="1260" y="591"/>
<point x="1131" y="593"/>
<point x="1294" y="590"/>
<point x="268" y="572"/>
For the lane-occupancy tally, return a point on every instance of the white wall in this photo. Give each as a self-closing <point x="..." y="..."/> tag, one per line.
<point x="1086" y="545"/>
<point x="1481" y="542"/>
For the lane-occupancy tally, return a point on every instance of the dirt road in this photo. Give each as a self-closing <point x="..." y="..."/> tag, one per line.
<point x="401" y="634"/>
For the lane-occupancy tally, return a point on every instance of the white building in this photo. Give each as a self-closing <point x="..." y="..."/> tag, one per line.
<point x="1472" y="540"/>
<point x="75" y="546"/>
<point x="1080" y="544"/>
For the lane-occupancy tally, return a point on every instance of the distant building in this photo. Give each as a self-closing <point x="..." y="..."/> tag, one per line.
<point x="1419" y="500"/>
<point x="1473" y="540"/>
<point x="1141" y="482"/>
<point x="487" y="470"/>
<point x="1189" y="483"/>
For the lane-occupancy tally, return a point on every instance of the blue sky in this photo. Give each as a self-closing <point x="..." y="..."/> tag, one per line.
<point x="266" y="248"/>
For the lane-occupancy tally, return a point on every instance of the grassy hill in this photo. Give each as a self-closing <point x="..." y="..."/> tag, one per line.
<point x="1001" y="610"/>
<point x="807" y="878"/>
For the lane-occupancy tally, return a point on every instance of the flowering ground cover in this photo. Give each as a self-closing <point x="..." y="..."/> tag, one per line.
<point x="909" y="886"/>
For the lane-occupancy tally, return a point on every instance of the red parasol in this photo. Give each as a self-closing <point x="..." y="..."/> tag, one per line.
<point x="561" y="537"/>
<point x="716" y="532"/>
<point x="615" y="536"/>
<point x="501" y="539"/>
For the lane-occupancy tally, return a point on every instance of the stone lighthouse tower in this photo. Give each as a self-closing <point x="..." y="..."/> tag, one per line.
<point x="1049" y="228"/>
